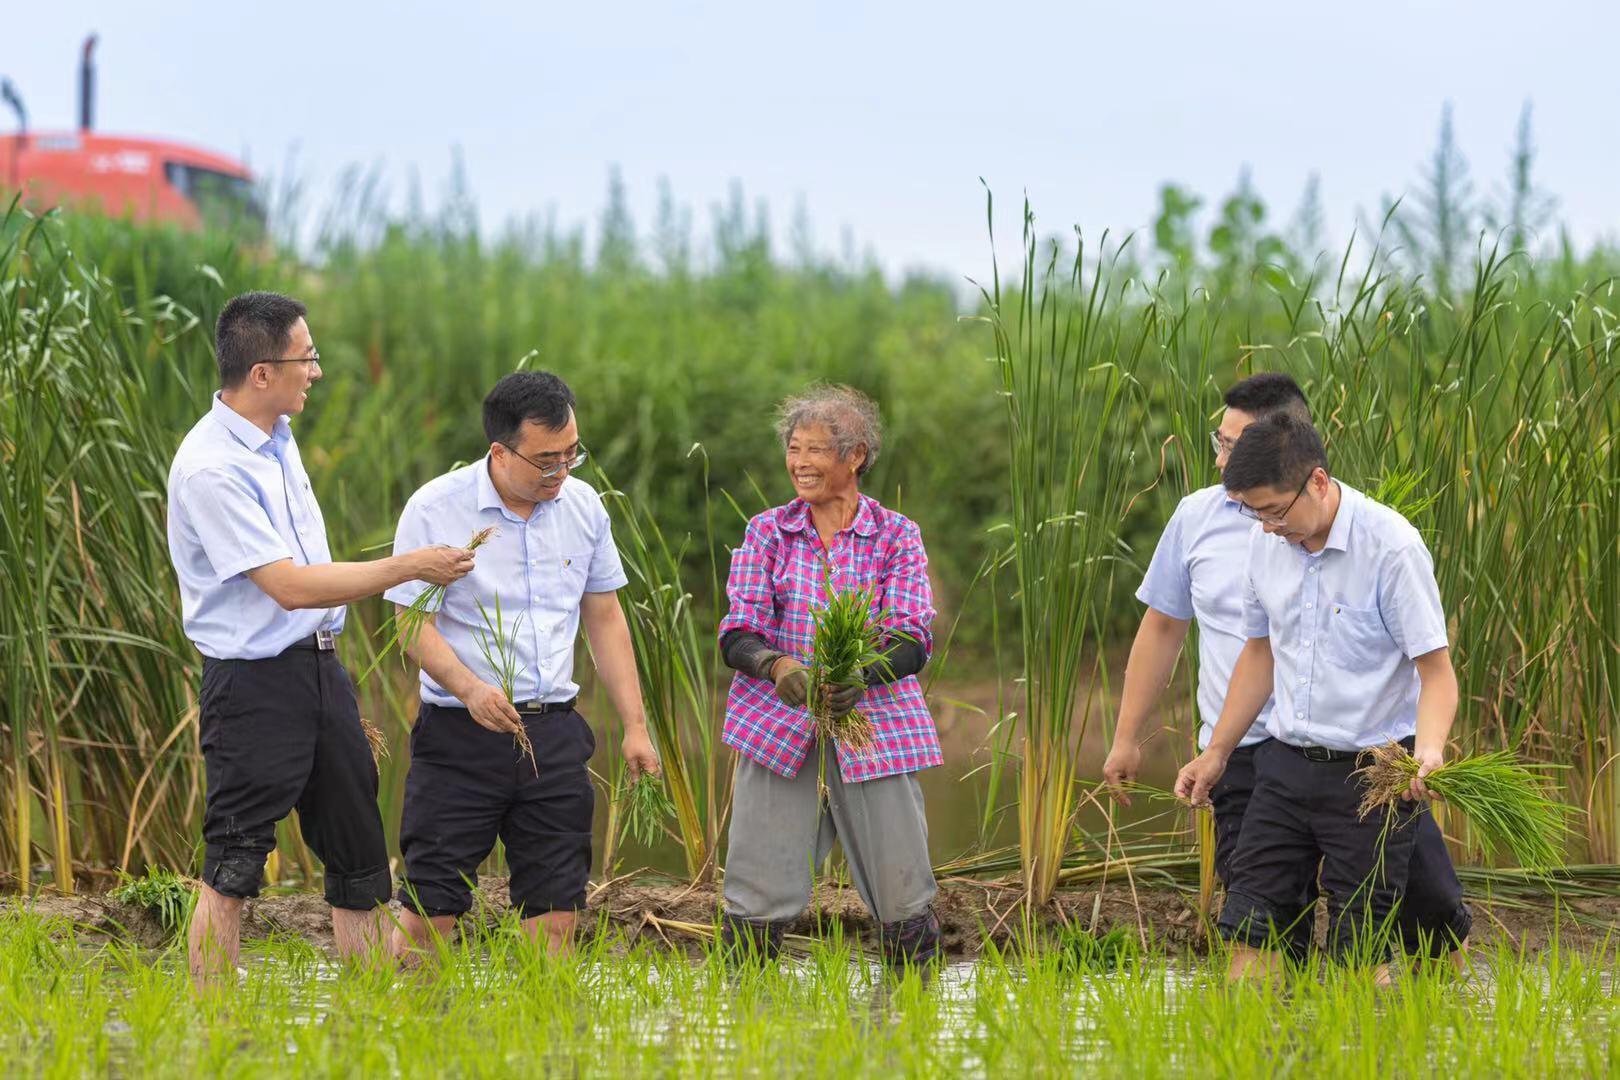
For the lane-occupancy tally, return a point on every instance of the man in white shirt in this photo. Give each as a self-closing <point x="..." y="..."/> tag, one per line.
<point x="1347" y="636"/>
<point x="263" y="602"/>
<point x="549" y="567"/>
<point x="1197" y="574"/>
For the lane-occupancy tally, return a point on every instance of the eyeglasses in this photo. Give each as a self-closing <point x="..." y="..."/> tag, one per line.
<point x="548" y="471"/>
<point x="1266" y="519"/>
<point x="312" y="358"/>
<point x="1222" y="446"/>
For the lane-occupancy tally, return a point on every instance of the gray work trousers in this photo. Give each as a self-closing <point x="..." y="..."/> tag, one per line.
<point x="781" y="831"/>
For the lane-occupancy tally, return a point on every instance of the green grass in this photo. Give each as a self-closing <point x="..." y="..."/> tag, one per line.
<point x="493" y="1007"/>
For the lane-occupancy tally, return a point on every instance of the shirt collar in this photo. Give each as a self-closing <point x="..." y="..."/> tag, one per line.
<point x="246" y="431"/>
<point x="488" y="497"/>
<point x="795" y="517"/>
<point x="1339" y="534"/>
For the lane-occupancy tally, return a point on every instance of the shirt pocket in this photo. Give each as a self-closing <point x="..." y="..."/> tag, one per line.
<point x="1356" y="637"/>
<point x="573" y="571"/>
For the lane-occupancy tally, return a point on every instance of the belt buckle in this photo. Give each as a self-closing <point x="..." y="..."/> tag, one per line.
<point x="1317" y="753"/>
<point x="325" y="640"/>
<point x="530" y="706"/>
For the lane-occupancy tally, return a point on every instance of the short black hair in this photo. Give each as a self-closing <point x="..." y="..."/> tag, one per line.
<point x="253" y="328"/>
<point x="1267" y="394"/>
<point x="1277" y="452"/>
<point x="526" y="395"/>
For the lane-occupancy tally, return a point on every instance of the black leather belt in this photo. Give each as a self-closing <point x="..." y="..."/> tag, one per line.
<point x="1322" y="753"/>
<point x="547" y="706"/>
<point x="320" y="641"/>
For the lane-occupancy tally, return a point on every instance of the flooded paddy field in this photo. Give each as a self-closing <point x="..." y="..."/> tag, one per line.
<point x="1118" y="989"/>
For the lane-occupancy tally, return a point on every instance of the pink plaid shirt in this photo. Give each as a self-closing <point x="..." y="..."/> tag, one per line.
<point x="776" y="581"/>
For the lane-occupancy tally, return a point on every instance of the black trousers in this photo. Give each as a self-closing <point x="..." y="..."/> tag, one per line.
<point x="1230" y="798"/>
<point x="468" y="786"/>
<point x="280" y="734"/>
<point x="1302" y="821"/>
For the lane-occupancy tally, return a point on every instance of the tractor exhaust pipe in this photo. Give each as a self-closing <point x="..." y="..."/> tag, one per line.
<point x="87" y="85"/>
<point x="8" y="94"/>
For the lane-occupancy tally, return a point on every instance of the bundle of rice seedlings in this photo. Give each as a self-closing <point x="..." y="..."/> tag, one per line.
<point x="499" y="646"/>
<point x="645" y="806"/>
<point x="1510" y="807"/>
<point x="848" y="639"/>
<point x="406" y="626"/>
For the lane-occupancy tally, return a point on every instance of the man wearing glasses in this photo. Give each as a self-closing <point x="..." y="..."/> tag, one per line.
<point x="263" y="602"/>
<point x="549" y="566"/>
<point x="1197" y="573"/>
<point x="1346" y="638"/>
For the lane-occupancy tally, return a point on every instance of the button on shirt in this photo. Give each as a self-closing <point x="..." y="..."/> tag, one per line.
<point x="775" y="586"/>
<point x="1345" y="625"/>
<point x="539" y="569"/>
<point x="240" y="499"/>
<point x="1197" y="572"/>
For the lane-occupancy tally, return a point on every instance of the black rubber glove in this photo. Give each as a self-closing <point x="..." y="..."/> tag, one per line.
<point x="841" y="700"/>
<point x="792" y="682"/>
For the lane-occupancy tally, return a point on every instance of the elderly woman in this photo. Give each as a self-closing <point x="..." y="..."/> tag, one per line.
<point x="781" y="826"/>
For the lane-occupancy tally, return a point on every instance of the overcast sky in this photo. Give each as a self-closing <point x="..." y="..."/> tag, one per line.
<point x="879" y="118"/>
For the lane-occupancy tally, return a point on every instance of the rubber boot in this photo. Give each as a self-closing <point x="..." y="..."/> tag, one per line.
<point x="745" y="941"/>
<point x="913" y="942"/>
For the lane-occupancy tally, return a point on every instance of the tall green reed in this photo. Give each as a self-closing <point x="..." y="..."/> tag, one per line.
<point x="1067" y="356"/>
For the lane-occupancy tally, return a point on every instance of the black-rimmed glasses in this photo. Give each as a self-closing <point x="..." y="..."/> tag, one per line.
<point x="1266" y="519"/>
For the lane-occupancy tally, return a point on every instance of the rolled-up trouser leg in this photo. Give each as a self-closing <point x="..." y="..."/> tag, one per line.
<point x="1434" y="918"/>
<point x="1295" y="924"/>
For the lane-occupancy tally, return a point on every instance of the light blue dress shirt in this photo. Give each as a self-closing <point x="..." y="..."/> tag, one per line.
<point x="1345" y="625"/>
<point x="1197" y="572"/>
<point x="240" y="499"/>
<point x="539" y="568"/>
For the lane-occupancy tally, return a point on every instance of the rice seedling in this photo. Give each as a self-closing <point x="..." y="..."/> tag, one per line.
<point x="645" y="806"/>
<point x="498" y="644"/>
<point x="166" y="894"/>
<point x="1510" y="807"/>
<point x="848" y="639"/>
<point x="405" y="626"/>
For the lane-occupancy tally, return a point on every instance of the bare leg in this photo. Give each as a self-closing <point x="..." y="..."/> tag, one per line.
<point x="1460" y="959"/>
<point x="216" y="931"/>
<point x="357" y="933"/>
<point x="1254" y="965"/>
<point x="557" y="928"/>
<point x="414" y="936"/>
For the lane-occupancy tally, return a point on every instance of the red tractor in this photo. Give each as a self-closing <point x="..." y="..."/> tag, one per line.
<point x="144" y="179"/>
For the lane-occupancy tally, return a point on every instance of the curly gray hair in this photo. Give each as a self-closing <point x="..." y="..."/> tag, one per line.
<point x="850" y="415"/>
